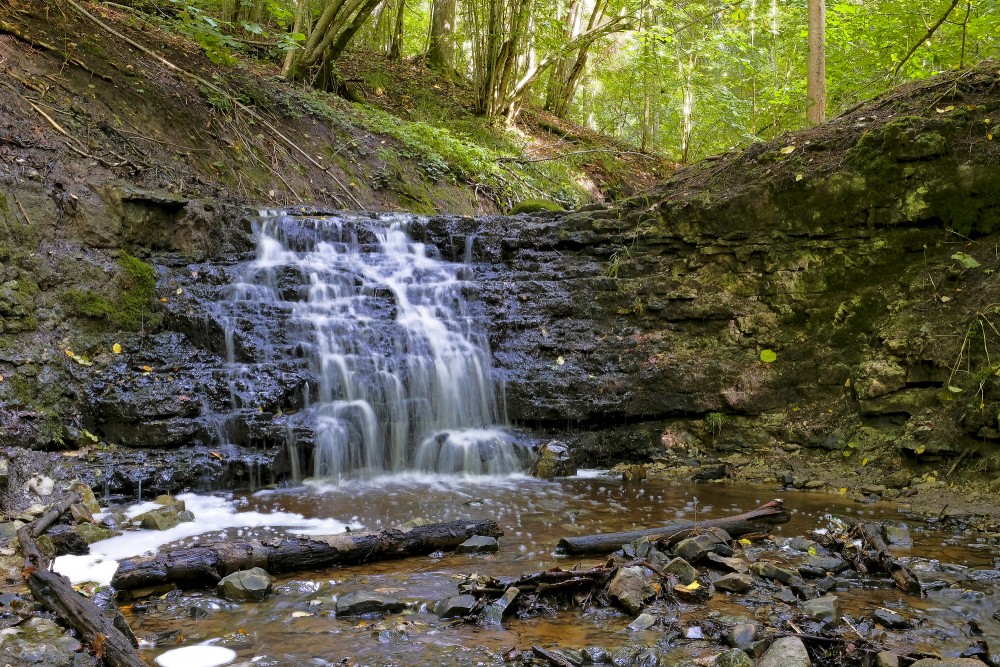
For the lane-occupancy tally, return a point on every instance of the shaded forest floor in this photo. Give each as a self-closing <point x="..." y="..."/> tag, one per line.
<point x="144" y="105"/>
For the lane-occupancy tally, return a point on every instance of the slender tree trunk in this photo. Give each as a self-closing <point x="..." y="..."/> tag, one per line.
<point x="441" y="50"/>
<point x="396" y="41"/>
<point x="816" y="80"/>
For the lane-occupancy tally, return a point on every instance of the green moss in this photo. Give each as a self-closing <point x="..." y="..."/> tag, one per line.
<point x="535" y="206"/>
<point x="130" y="308"/>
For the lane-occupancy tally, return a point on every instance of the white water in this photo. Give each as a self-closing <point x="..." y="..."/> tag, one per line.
<point x="404" y="369"/>
<point x="211" y="513"/>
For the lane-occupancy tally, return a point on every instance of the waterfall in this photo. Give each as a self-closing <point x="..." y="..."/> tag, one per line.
<point x="402" y="364"/>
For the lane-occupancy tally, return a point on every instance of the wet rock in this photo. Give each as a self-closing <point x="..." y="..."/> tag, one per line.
<point x="948" y="662"/>
<point x="803" y="544"/>
<point x="496" y="610"/>
<point x="163" y="518"/>
<point x="696" y="592"/>
<point x="685" y="571"/>
<point x="630" y="472"/>
<point x="826" y="584"/>
<point x="251" y="585"/>
<point x="693" y="549"/>
<point x="170" y="501"/>
<point x="360" y="603"/>
<point x="40" y="485"/>
<point x="819" y="566"/>
<point x="729" y="564"/>
<point x="92" y="532"/>
<point x="39" y="642"/>
<point x="772" y="571"/>
<point x="554" y="459"/>
<point x="888" y="618"/>
<point x="631" y="588"/>
<point x="456" y="605"/>
<point x="734" y="582"/>
<point x="886" y="659"/>
<point x="87" y="496"/>
<point x="594" y="655"/>
<point x="733" y="658"/>
<point x="643" y="621"/>
<point x="80" y="513"/>
<point x="741" y="635"/>
<point x="786" y="652"/>
<point x="478" y="544"/>
<point x="826" y="608"/>
<point x="898" y="535"/>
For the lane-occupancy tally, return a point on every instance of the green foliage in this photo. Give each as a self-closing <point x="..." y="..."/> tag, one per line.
<point x="130" y="308"/>
<point x="535" y="206"/>
<point x="208" y="32"/>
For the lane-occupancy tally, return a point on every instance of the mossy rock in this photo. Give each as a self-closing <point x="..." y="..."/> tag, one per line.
<point x="130" y="308"/>
<point x="536" y="206"/>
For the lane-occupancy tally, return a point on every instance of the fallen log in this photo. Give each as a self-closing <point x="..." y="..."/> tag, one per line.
<point x="759" y="519"/>
<point x="876" y="555"/>
<point x="206" y="565"/>
<point x="56" y="594"/>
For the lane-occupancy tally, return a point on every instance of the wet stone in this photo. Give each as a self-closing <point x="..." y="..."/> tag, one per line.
<point x="733" y="658"/>
<point x="457" y="605"/>
<point x="826" y="584"/>
<point x="741" y="635"/>
<point x="888" y="618"/>
<point x="898" y="535"/>
<point x="500" y="607"/>
<point x="631" y="588"/>
<point x="826" y="564"/>
<point x="594" y="655"/>
<point x="478" y="544"/>
<point x="360" y="603"/>
<point x="700" y="593"/>
<point x="786" y="652"/>
<point x="92" y="532"/>
<point x="170" y="501"/>
<point x="251" y="585"/>
<point x="163" y="518"/>
<point x="803" y="544"/>
<point x="826" y="608"/>
<point x="786" y="595"/>
<point x="772" y="571"/>
<point x="685" y="571"/>
<point x="948" y="662"/>
<point x="554" y="459"/>
<point x="728" y="563"/>
<point x="734" y="582"/>
<point x="695" y="548"/>
<point x="803" y="590"/>
<point x="886" y="659"/>
<point x="643" y="622"/>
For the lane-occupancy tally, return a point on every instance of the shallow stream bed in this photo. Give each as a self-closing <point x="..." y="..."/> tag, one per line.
<point x="297" y="625"/>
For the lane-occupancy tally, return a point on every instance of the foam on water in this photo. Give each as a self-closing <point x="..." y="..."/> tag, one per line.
<point x="211" y="514"/>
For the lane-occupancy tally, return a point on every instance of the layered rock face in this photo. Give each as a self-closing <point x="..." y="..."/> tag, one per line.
<point x="833" y="290"/>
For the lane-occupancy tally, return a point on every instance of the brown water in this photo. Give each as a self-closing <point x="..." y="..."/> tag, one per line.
<point x="296" y="625"/>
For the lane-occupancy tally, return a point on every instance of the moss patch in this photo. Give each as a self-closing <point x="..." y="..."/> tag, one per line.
<point x="535" y="206"/>
<point x="130" y="308"/>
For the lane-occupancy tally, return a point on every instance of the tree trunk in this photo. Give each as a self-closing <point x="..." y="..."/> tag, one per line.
<point x="816" y="80"/>
<point x="757" y="520"/>
<point x="441" y="50"/>
<point x="396" y="41"/>
<point x="206" y="565"/>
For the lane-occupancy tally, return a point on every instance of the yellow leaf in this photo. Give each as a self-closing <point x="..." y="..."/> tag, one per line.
<point x="693" y="586"/>
<point x="920" y="449"/>
<point x="116" y="348"/>
<point x="164" y="299"/>
<point x="560" y="361"/>
<point x="69" y="353"/>
<point x="798" y="177"/>
<point x="787" y="150"/>
<point x="260" y="408"/>
<point x="745" y="542"/>
<point x="989" y="137"/>
<point x="180" y="291"/>
<point x="864" y="461"/>
<point x="148" y="369"/>
<point x="842" y="490"/>
<point x="848" y="382"/>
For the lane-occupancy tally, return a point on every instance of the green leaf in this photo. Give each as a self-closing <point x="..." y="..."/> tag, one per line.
<point x="967" y="261"/>
<point x="768" y="356"/>
<point x="955" y="390"/>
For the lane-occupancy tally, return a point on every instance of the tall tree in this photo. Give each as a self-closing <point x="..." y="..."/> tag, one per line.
<point x="328" y="31"/>
<point x="569" y="66"/>
<point x="441" y="46"/>
<point x="816" y="79"/>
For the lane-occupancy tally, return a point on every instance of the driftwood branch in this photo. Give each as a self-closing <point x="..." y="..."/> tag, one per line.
<point x="206" y="565"/>
<point x="759" y="519"/>
<point x="56" y="594"/>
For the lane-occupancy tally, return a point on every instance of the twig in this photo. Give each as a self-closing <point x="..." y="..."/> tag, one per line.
<point x="920" y="42"/>
<point x="954" y="465"/>
<point x="211" y="86"/>
<point x="23" y="212"/>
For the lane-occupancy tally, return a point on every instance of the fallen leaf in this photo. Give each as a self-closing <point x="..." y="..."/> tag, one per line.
<point x="69" y="353"/>
<point x="787" y="150"/>
<point x="148" y="369"/>
<point x="164" y="299"/>
<point x="116" y="348"/>
<point x="560" y="361"/>
<point x="179" y="291"/>
<point x="798" y="177"/>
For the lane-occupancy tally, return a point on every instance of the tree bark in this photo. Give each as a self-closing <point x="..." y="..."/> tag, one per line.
<point x="816" y="79"/>
<point x="441" y="50"/>
<point x="760" y="519"/>
<point x="206" y="565"/>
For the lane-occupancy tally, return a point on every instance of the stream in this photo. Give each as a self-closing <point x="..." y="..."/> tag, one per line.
<point x="297" y="624"/>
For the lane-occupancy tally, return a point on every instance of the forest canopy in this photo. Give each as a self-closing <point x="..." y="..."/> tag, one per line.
<point x="682" y="78"/>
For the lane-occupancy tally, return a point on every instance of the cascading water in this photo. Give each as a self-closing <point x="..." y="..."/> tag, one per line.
<point x="402" y="366"/>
